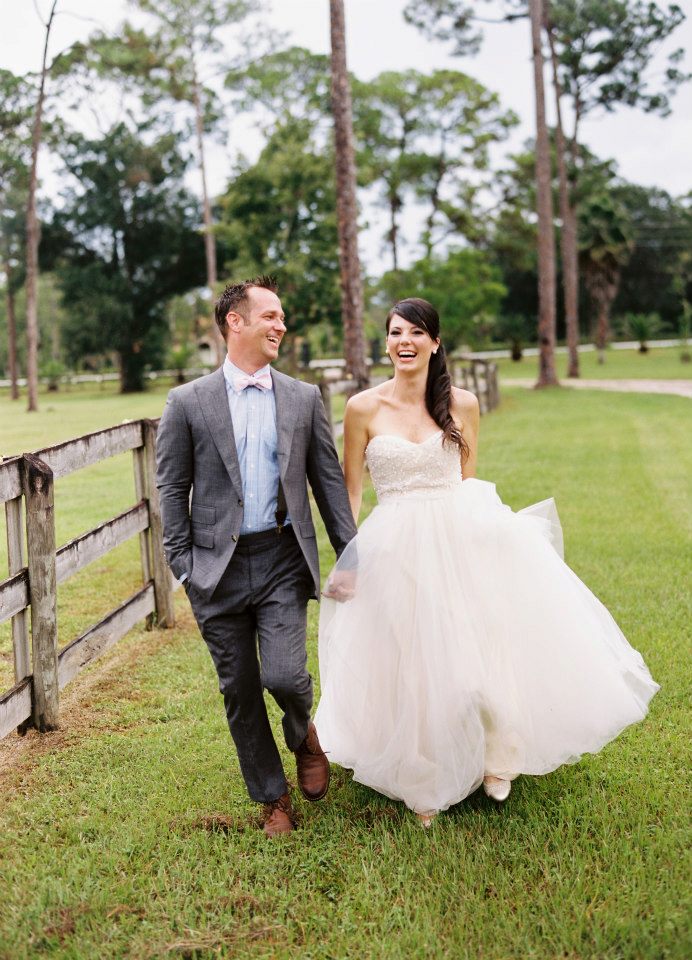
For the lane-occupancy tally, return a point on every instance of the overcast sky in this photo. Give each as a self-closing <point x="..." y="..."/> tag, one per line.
<point x="648" y="149"/>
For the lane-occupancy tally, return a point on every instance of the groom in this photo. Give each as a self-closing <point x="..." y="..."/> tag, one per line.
<point x="234" y="449"/>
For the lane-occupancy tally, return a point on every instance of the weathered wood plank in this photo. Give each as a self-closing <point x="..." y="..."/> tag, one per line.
<point x="99" y="638"/>
<point x="37" y="481"/>
<point x="15" y="707"/>
<point x="16" y="563"/>
<point x="76" y="554"/>
<point x="10" y="479"/>
<point x="65" y="458"/>
<point x="14" y="595"/>
<point x="165" y="615"/>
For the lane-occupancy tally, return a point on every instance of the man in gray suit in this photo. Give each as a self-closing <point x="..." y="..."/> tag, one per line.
<point x="243" y="441"/>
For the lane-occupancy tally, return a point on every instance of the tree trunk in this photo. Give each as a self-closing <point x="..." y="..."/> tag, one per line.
<point x="602" y="329"/>
<point x="603" y="282"/>
<point x="32" y="239"/>
<point x="546" y="238"/>
<point x="132" y="370"/>
<point x="346" y="205"/>
<point x="209" y="238"/>
<point x="55" y="351"/>
<point x="568" y="237"/>
<point x="393" y="233"/>
<point x="11" y="334"/>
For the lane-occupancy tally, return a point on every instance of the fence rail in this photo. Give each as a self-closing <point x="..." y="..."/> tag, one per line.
<point x="37" y="566"/>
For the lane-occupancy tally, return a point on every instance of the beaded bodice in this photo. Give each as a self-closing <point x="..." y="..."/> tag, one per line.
<point x="400" y="468"/>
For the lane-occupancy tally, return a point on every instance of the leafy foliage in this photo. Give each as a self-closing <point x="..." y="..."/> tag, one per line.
<point x="465" y="289"/>
<point x="123" y="244"/>
<point x="278" y="216"/>
<point x="643" y="327"/>
<point x="657" y="277"/>
<point x="427" y="137"/>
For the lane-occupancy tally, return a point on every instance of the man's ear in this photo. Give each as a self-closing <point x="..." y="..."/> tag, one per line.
<point x="233" y="320"/>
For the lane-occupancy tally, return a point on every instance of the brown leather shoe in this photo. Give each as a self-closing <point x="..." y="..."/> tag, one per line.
<point x="278" y="817"/>
<point x="313" y="766"/>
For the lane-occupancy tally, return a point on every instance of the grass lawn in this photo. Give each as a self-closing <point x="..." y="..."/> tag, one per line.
<point x="658" y="364"/>
<point x="128" y="832"/>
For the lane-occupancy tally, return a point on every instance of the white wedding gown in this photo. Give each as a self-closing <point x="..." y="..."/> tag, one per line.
<point x="470" y="647"/>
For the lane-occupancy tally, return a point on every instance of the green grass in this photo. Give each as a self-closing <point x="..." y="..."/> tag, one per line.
<point x="129" y="834"/>
<point x="658" y="364"/>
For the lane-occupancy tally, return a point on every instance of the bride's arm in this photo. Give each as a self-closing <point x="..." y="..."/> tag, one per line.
<point x="466" y="412"/>
<point x="355" y="442"/>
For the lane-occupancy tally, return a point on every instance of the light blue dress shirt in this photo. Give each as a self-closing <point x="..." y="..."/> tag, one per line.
<point x="253" y="412"/>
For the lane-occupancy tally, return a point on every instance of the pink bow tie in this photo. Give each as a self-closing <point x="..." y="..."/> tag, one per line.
<point x="262" y="380"/>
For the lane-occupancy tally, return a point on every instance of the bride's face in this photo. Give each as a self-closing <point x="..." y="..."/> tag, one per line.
<point x="409" y="347"/>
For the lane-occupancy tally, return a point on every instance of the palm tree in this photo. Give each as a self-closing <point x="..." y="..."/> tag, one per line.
<point x="346" y="205"/>
<point x="605" y="247"/>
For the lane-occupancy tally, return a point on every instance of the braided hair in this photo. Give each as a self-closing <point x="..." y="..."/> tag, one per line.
<point x="438" y="388"/>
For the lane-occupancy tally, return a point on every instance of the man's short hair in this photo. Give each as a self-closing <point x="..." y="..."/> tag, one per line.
<point x="235" y="298"/>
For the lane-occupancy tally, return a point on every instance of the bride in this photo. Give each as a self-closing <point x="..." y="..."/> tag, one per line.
<point x="456" y="647"/>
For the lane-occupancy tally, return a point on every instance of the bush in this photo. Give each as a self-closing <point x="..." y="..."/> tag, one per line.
<point x="643" y="327"/>
<point x="516" y="329"/>
<point x="52" y="371"/>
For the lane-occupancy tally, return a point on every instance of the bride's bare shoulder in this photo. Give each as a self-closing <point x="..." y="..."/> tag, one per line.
<point x="366" y="403"/>
<point x="464" y="401"/>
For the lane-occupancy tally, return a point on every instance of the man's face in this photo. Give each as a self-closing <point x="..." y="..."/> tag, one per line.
<point x="254" y="340"/>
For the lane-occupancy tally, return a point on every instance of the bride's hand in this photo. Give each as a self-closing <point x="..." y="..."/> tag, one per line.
<point x="340" y="586"/>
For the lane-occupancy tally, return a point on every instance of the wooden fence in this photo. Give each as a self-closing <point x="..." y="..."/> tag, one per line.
<point x="26" y="488"/>
<point x="477" y="375"/>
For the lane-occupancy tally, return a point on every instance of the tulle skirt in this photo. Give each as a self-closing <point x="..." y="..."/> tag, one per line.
<point x="469" y="649"/>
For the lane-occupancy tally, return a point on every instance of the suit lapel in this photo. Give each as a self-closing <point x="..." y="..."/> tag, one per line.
<point x="213" y="399"/>
<point x="285" y="399"/>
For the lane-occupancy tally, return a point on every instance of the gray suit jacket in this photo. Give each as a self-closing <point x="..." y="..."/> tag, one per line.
<point x="196" y="453"/>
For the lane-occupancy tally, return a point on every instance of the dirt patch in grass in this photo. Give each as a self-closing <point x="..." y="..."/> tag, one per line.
<point x="225" y="823"/>
<point x="369" y="816"/>
<point x="217" y="823"/>
<point x="63" y="924"/>
<point x="83" y="700"/>
<point x="201" y="944"/>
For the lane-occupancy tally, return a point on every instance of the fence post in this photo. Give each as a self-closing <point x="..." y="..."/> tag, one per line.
<point x="165" y="616"/>
<point x="37" y="481"/>
<point x="139" y="455"/>
<point x="494" y="388"/>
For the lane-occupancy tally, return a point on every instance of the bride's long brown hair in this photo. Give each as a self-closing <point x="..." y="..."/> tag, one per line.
<point x="438" y="388"/>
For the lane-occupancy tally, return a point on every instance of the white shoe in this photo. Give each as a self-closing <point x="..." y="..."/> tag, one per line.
<point x="426" y="819"/>
<point x="496" y="788"/>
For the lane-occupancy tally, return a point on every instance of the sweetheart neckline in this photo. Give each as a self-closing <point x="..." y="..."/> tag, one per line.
<point x="396" y="436"/>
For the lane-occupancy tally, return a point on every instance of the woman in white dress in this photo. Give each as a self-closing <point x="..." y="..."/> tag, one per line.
<point x="456" y="647"/>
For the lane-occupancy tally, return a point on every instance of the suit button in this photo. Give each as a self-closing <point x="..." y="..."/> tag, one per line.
<point x="234" y="538"/>
<point x="240" y="503"/>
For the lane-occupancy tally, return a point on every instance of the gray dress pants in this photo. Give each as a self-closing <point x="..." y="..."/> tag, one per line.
<point x="260" y="607"/>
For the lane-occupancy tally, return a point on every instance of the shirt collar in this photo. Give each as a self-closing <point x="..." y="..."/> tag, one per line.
<point x="230" y="371"/>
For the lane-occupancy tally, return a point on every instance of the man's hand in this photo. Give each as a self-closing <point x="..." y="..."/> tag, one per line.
<point x="340" y="586"/>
